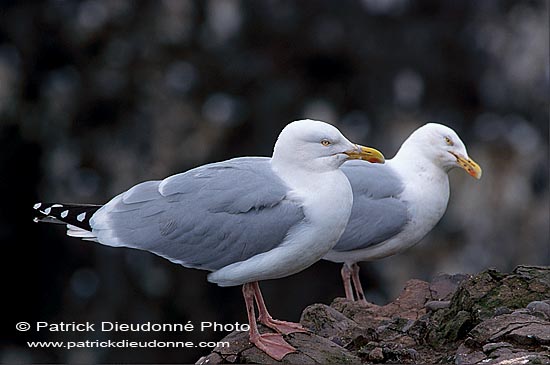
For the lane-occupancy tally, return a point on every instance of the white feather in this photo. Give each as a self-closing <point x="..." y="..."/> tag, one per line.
<point x="78" y="232"/>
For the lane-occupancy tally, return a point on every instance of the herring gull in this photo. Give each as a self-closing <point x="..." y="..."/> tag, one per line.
<point x="245" y="220"/>
<point x="396" y="204"/>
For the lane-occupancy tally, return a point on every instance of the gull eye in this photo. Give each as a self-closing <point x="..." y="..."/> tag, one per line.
<point x="449" y="141"/>
<point x="325" y="142"/>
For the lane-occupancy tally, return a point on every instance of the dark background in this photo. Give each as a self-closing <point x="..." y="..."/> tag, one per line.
<point x="96" y="96"/>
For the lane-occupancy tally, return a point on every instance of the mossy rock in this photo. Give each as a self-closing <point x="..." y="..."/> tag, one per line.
<point x="479" y="297"/>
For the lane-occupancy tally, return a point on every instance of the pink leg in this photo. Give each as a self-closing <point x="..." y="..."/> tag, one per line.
<point x="265" y="318"/>
<point x="272" y="344"/>
<point x="357" y="283"/>
<point x="346" y="276"/>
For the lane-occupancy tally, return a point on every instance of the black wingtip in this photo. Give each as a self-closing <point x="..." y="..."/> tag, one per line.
<point x="75" y="214"/>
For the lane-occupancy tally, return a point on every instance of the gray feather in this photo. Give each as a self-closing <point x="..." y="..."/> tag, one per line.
<point x="207" y="218"/>
<point x="146" y="191"/>
<point x="378" y="213"/>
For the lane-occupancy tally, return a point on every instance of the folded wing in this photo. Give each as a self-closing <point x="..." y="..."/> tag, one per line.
<point x="206" y="218"/>
<point x="378" y="213"/>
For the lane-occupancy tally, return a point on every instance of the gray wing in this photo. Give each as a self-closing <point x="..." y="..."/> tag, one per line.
<point x="207" y="218"/>
<point x="378" y="213"/>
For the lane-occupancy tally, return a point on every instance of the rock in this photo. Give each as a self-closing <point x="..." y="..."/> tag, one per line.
<point x="451" y="328"/>
<point x="521" y="327"/>
<point x="329" y="323"/>
<point x="513" y="338"/>
<point x="502" y="310"/>
<point x="493" y="289"/>
<point x="490" y="347"/>
<point x="434" y="305"/>
<point x="531" y="334"/>
<point x="466" y="355"/>
<point x="501" y="356"/>
<point x="312" y="349"/>
<point x="443" y="286"/>
<point x="489" y="318"/>
<point x="409" y="305"/>
<point x="376" y="355"/>
<point x="542" y="307"/>
<point x="480" y="297"/>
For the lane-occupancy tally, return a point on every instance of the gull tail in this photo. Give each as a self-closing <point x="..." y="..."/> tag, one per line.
<point x="75" y="216"/>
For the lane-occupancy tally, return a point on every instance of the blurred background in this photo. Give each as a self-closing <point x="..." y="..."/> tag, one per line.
<point x="96" y="96"/>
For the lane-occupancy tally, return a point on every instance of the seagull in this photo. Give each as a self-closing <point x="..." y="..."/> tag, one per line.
<point x="246" y="219"/>
<point x="396" y="204"/>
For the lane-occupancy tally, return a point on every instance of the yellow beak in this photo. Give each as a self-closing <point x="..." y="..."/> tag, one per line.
<point x="469" y="165"/>
<point x="365" y="153"/>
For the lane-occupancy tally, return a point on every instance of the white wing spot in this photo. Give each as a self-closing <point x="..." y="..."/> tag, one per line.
<point x="37" y="205"/>
<point x="64" y="213"/>
<point x="47" y="210"/>
<point x="57" y="206"/>
<point x="81" y="217"/>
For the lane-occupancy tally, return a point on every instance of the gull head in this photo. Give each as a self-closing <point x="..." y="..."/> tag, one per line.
<point x="441" y="145"/>
<point x="318" y="146"/>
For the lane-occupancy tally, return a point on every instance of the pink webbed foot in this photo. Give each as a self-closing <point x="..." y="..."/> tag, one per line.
<point x="282" y="326"/>
<point x="272" y="344"/>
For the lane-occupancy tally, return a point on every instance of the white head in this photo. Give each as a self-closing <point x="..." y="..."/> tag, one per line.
<point x="440" y="145"/>
<point x="318" y="146"/>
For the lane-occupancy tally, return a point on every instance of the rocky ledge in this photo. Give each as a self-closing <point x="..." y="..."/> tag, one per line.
<point x="489" y="318"/>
